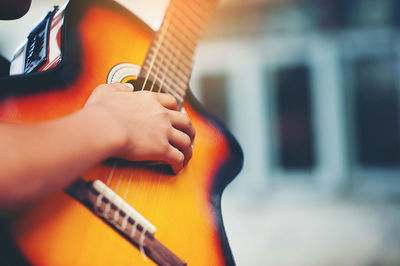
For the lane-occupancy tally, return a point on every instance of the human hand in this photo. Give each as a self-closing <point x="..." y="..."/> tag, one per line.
<point x="145" y="126"/>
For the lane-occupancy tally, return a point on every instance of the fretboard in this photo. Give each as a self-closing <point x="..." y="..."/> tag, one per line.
<point x="168" y="64"/>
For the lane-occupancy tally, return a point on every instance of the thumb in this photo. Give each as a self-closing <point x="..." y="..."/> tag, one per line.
<point x="123" y="87"/>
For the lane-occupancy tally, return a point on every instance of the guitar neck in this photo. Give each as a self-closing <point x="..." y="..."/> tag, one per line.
<point x="168" y="64"/>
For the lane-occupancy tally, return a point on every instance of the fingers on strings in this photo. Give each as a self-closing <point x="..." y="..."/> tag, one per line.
<point x="175" y="158"/>
<point x="168" y="101"/>
<point x="181" y="121"/>
<point x="182" y="142"/>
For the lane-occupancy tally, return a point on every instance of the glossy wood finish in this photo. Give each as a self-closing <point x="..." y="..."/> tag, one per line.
<point x="184" y="208"/>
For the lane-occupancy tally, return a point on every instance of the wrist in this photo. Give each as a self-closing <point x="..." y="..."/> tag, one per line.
<point x="109" y="136"/>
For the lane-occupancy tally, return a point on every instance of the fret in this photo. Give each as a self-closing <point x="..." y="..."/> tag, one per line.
<point x="169" y="76"/>
<point x="169" y="44"/>
<point x="164" y="69"/>
<point x="176" y="39"/>
<point x="184" y="35"/>
<point x="178" y="97"/>
<point x="188" y="33"/>
<point x="187" y="64"/>
<point x="167" y="88"/>
<point x="164" y="82"/>
<point x="169" y="81"/>
<point x="168" y="50"/>
<point x="178" y="68"/>
<point x="150" y="60"/>
<point x="171" y="47"/>
<point x="184" y="72"/>
<point x="169" y="61"/>
<point x="183" y="16"/>
<point x="203" y="6"/>
<point x="200" y="11"/>
<point x="174" y="92"/>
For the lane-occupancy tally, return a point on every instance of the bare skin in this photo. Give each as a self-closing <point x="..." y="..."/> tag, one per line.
<point x="39" y="159"/>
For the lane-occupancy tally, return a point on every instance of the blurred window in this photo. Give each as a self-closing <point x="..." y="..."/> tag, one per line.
<point x="376" y="111"/>
<point x="350" y="13"/>
<point x="214" y="95"/>
<point x="295" y="134"/>
<point x="291" y="18"/>
<point x="368" y="12"/>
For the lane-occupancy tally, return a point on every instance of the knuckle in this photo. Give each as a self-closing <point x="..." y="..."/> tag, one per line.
<point x="186" y="121"/>
<point x="101" y="87"/>
<point x="164" y="114"/>
<point x="143" y="93"/>
<point x="187" y="141"/>
<point x="164" y="147"/>
<point x="180" y="158"/>
<point x="169" y="130"/>
<point x="151" y="95"/>
<point x="172" y="99"/>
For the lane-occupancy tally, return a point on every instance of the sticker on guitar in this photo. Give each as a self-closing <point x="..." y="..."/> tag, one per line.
<point x="123" y="72"/>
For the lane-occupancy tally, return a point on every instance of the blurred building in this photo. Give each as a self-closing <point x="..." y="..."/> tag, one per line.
<point x="311" y="90"/>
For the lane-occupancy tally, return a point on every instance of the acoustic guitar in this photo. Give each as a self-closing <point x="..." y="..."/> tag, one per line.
<point x="121" y="213"/>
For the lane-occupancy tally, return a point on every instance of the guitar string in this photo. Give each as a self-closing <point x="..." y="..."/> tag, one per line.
<point x="129" y="183"/>
<point x="155" y="56"/>
<point x="167" y="21"/>
<point x="111" y="175"/>
<point x="172" y="64"/>
<point x="119" y="181"/>
<point x="161" y="34"/>
<point x="161" y="61"/>
<point x="166" y="69"/>
<point x="165" y="193"/>
<point x="162" y="191"/>
<point x="163" y="168"/>
<point x="160" y="87"/>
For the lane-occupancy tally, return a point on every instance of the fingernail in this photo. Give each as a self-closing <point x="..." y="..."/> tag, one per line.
<point x="129" y="85"/>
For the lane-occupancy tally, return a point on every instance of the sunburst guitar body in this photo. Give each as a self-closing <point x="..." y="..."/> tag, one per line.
<point x="88" y="43"/>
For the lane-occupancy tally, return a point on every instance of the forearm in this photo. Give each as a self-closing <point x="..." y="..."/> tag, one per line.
<point x="38" y="159"/>
<point x="137" y="126"/>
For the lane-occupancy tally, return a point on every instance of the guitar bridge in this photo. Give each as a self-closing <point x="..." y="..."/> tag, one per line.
<point x="106" y="204"/>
